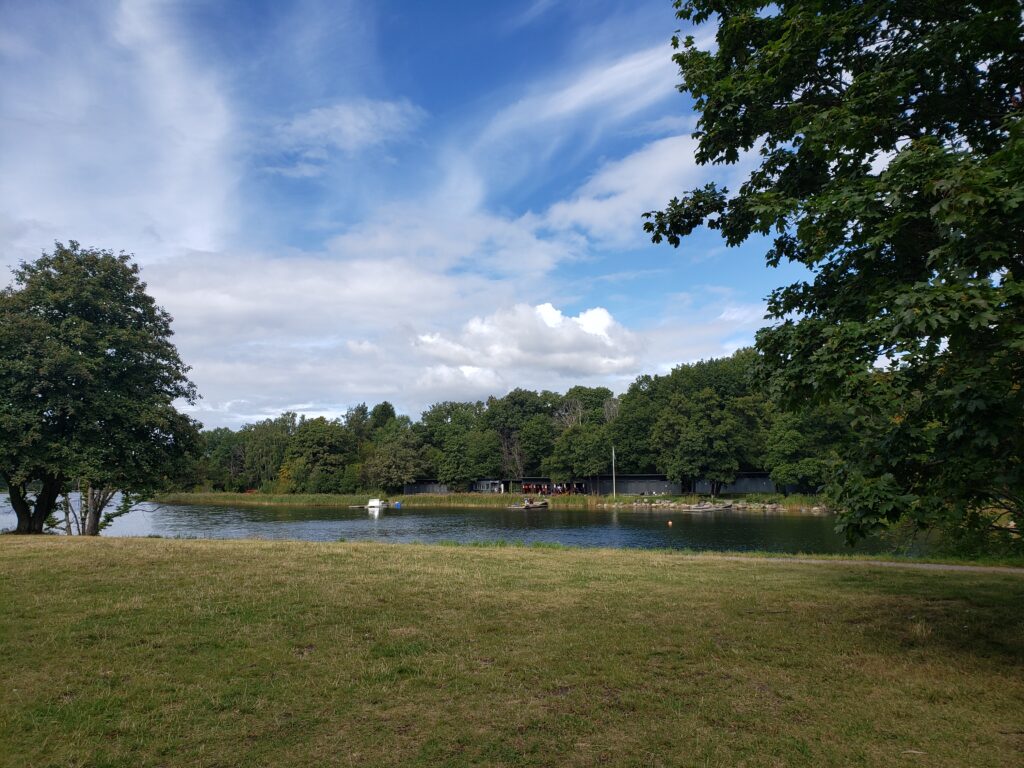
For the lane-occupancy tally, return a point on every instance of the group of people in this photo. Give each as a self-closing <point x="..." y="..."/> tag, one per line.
<point x="554" y="489"/>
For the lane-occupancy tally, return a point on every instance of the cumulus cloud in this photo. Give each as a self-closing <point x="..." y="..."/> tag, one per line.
<point x="524" y="337"/>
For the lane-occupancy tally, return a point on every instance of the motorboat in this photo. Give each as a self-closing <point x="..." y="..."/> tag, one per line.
<point x="531" y="504"/>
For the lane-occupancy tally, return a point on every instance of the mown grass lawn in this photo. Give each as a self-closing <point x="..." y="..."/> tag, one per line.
<point x="121" y="652"/>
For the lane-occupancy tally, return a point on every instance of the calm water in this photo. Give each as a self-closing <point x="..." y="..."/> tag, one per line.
<point x="702" y="531"/>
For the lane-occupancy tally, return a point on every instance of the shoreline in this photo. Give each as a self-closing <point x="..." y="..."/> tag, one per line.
<point x="800" y="505"/>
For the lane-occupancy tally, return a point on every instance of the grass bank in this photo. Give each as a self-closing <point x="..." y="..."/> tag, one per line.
<point x="447" y="500"/>
<point x="158" y="652"/>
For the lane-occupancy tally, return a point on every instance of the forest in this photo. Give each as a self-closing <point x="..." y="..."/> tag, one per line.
<point x="708" y="420"/>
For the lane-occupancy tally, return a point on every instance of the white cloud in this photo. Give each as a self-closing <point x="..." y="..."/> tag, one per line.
<point x="607" y="206"/>
<point x="523" y="338"/>
<point x="561" y="119"/>
<point x="351" y="126"/>
<point x="532" y="12"/>
<point x="111" y="137"/>
<point x="606" y="92"/>
<point x="710" y="321"/>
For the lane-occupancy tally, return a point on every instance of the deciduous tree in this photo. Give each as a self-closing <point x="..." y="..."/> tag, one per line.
<point x="890" y="138"/>
<point x="88" y="381"/>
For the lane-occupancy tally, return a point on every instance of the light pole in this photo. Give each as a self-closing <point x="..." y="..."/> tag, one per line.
<point x="611" y="410"/>
<point x="613" y="472"/>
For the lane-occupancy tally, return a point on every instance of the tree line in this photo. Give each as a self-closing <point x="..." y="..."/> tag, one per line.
<point x="703" y="421"/>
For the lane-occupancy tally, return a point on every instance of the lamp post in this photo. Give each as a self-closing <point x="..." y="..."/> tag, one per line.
<point x="613" y="472"/>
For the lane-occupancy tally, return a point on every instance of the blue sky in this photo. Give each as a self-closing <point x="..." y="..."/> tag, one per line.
<point x="342" y="202"/>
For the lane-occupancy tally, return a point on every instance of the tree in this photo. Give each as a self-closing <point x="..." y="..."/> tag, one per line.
<point x="380" y="416"/>
<point x="509" y="415"/>
<point x="590" y="401"/>
<point x="632" y="427"/>
<point x="583" y="450"/>
<point x="265" y="444"/>
<point x="536" y="439"/>
<point x="703" y="437"/>
<point x="804" y="446"/>
<point x="452" y="431"/>
<point x="891" y="143"/>
<point x="88" y="378"/>
<point x="222" y="460"/>
<point x="395" y="458"/>
<point x="357" y="419"/>
<point x="316" y="455"/>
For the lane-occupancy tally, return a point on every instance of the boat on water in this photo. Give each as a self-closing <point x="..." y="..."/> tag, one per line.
<point x="531" y="504"/>
<point x="374" y="506"/>
<point x="706" y="507"/>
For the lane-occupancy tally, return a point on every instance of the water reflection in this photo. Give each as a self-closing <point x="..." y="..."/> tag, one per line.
<point x="724" y="530"/>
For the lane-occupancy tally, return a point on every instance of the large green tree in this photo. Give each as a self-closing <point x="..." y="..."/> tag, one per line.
<point x="221" y="464"/>
<point x="703" y="437"/>
<point x="583" y="450"/>
<point x="395" y="456"/>
<point x="464" y="449"/>
<point x="890" y="146"/>
<point x="316" y="456"/>
<point x="265" y="444"/>
<point x="88" y="380"/>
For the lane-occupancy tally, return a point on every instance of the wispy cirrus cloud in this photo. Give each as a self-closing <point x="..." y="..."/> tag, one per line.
<point x="351" y="126"/>
<point x="607" y="206"/>
<point x="619" y="89"/>
<point x="111" y="136"/>
<point x="308" y="139"/>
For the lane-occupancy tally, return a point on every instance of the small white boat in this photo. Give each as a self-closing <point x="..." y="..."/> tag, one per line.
<point x="376" y="505"/>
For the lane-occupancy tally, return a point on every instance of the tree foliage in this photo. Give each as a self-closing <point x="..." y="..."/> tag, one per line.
<point x="890" y="138"/>
<point x="703" y="437"/>
<point x="88" y="380"/>
<point x="395" y="458"/>
<point x="316" y="456"/>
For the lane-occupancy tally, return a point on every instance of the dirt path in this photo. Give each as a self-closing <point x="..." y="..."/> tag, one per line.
<point x="877" y="564"/>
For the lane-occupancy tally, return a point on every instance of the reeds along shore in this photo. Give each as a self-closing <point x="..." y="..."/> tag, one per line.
<point x="753" y="502"/>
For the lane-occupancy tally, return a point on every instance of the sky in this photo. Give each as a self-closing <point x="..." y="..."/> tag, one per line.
<point x="344" y="202"/>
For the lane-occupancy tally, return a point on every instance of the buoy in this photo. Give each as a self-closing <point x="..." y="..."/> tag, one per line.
<point x="669" y="523"/>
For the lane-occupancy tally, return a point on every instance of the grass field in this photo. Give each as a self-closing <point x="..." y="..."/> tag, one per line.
<point x="122" y="652"/>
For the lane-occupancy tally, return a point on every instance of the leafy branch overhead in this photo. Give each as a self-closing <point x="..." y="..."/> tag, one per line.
<point x="890" y="146"/>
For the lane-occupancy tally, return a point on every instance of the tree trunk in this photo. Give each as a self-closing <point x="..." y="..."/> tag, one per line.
<point x="46" y="500"/>
<point x="32" y="517"/>
<point x="94" y="501"/>
<point x="91" y="523"/>
<point x="21" y="507"/>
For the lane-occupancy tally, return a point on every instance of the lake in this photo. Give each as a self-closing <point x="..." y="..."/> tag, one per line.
<point x="714" y="531"/>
